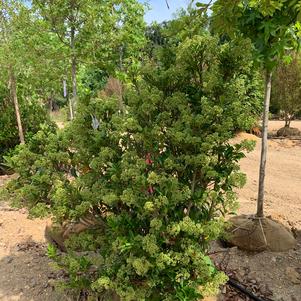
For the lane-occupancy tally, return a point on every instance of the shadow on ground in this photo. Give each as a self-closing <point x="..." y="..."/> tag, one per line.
<point x="26" y="274"/>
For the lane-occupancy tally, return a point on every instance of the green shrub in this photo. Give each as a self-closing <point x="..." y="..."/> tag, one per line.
<point x="32" y="115"/>
<point x="158" y="175"/>
<point x="43" y="162"/>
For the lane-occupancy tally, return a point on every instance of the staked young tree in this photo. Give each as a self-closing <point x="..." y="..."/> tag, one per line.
<point x="273" y="28"/>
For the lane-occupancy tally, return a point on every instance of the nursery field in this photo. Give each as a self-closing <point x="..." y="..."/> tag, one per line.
<point x="124" y="143"/>
<point x="26" y="273"/>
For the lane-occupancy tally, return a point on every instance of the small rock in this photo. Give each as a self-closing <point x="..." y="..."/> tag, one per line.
<point x="293" y="275"/>
<point x="33" y="283"/>
<point x="23" y="211"/>
<point x="51" y="282"/>
<point x="267" y="289"/>
<point x="240" y="278"/>
<point x="258" y="280"/>
<point x="52" y="275"/>
<point x="233" y="249"/>
<point x="8" y="259"/>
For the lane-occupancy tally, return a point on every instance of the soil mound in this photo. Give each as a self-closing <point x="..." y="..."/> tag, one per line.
<point x="247" y="136"/>
<point x="253" y="234"/>
<point x="288" y="131"/>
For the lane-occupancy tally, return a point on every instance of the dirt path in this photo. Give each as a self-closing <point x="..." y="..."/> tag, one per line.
<point x="25" y="273"/>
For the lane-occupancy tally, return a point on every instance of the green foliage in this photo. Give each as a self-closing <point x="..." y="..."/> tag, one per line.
<point x="272" y="25"/>
<point x="92" y="80"/>
<point x="21" y="46"/>
<point x="157" y="172"/>
<point x="41" y="162"/>
<point x="286" y="93"/>
<point x="97" y="37"/>
<point x="31" y="51"/>
<point x="31" y="113"/>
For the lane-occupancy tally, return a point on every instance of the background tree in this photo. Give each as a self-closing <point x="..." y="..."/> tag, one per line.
<point x="31" y="72"/>
<point x="67" y="19"/>
<point x="9" y="14"/>
<point x="91" y="32"/>
<point x="286" y="93"/>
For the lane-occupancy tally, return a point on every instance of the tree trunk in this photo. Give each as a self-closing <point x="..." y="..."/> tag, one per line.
<point x="13" y="89"/>
<point x="74" y="84"/>
<point x="50" y="102"/>
<point x="69" y="100"/>
<point x="264" y="143"/>
<point x="73" y="66"/>
<point x="287" y="120"/>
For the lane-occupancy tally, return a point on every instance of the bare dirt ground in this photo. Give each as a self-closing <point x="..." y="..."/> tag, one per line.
<point x="26" y="274"/>
<point x="283" y="179"/>
<point x="279" y="273"/>
<point x="25" y="271"/>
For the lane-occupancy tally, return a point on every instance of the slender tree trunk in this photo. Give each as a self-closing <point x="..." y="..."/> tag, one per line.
<point x="74" y="84"/>
<point x="264" y="143"/>
<point x="50" y="103"/>
<point x="287" y="120"/>
<point x="69" y="100"/>
<point x="70" y="108"/>
<point x="13" y="89"/>
<point x="73" y="67"/>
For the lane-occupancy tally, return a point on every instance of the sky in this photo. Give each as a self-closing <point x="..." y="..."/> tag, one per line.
<point x="159" y="11"/>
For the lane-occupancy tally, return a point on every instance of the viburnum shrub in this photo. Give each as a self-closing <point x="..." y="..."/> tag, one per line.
<point x="160" y="174"/>
<point x="157" y="173"/>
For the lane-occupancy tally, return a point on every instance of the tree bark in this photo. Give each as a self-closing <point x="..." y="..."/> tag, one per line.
<point x="264" y="143"/>
<point x="50" y="102"/>
<point x="74" y="84"/>
<point x="287" y="120"/>
<point x="69" y="100"/>
<point x="73" y="67"/>
<point x="13" y="89"/>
